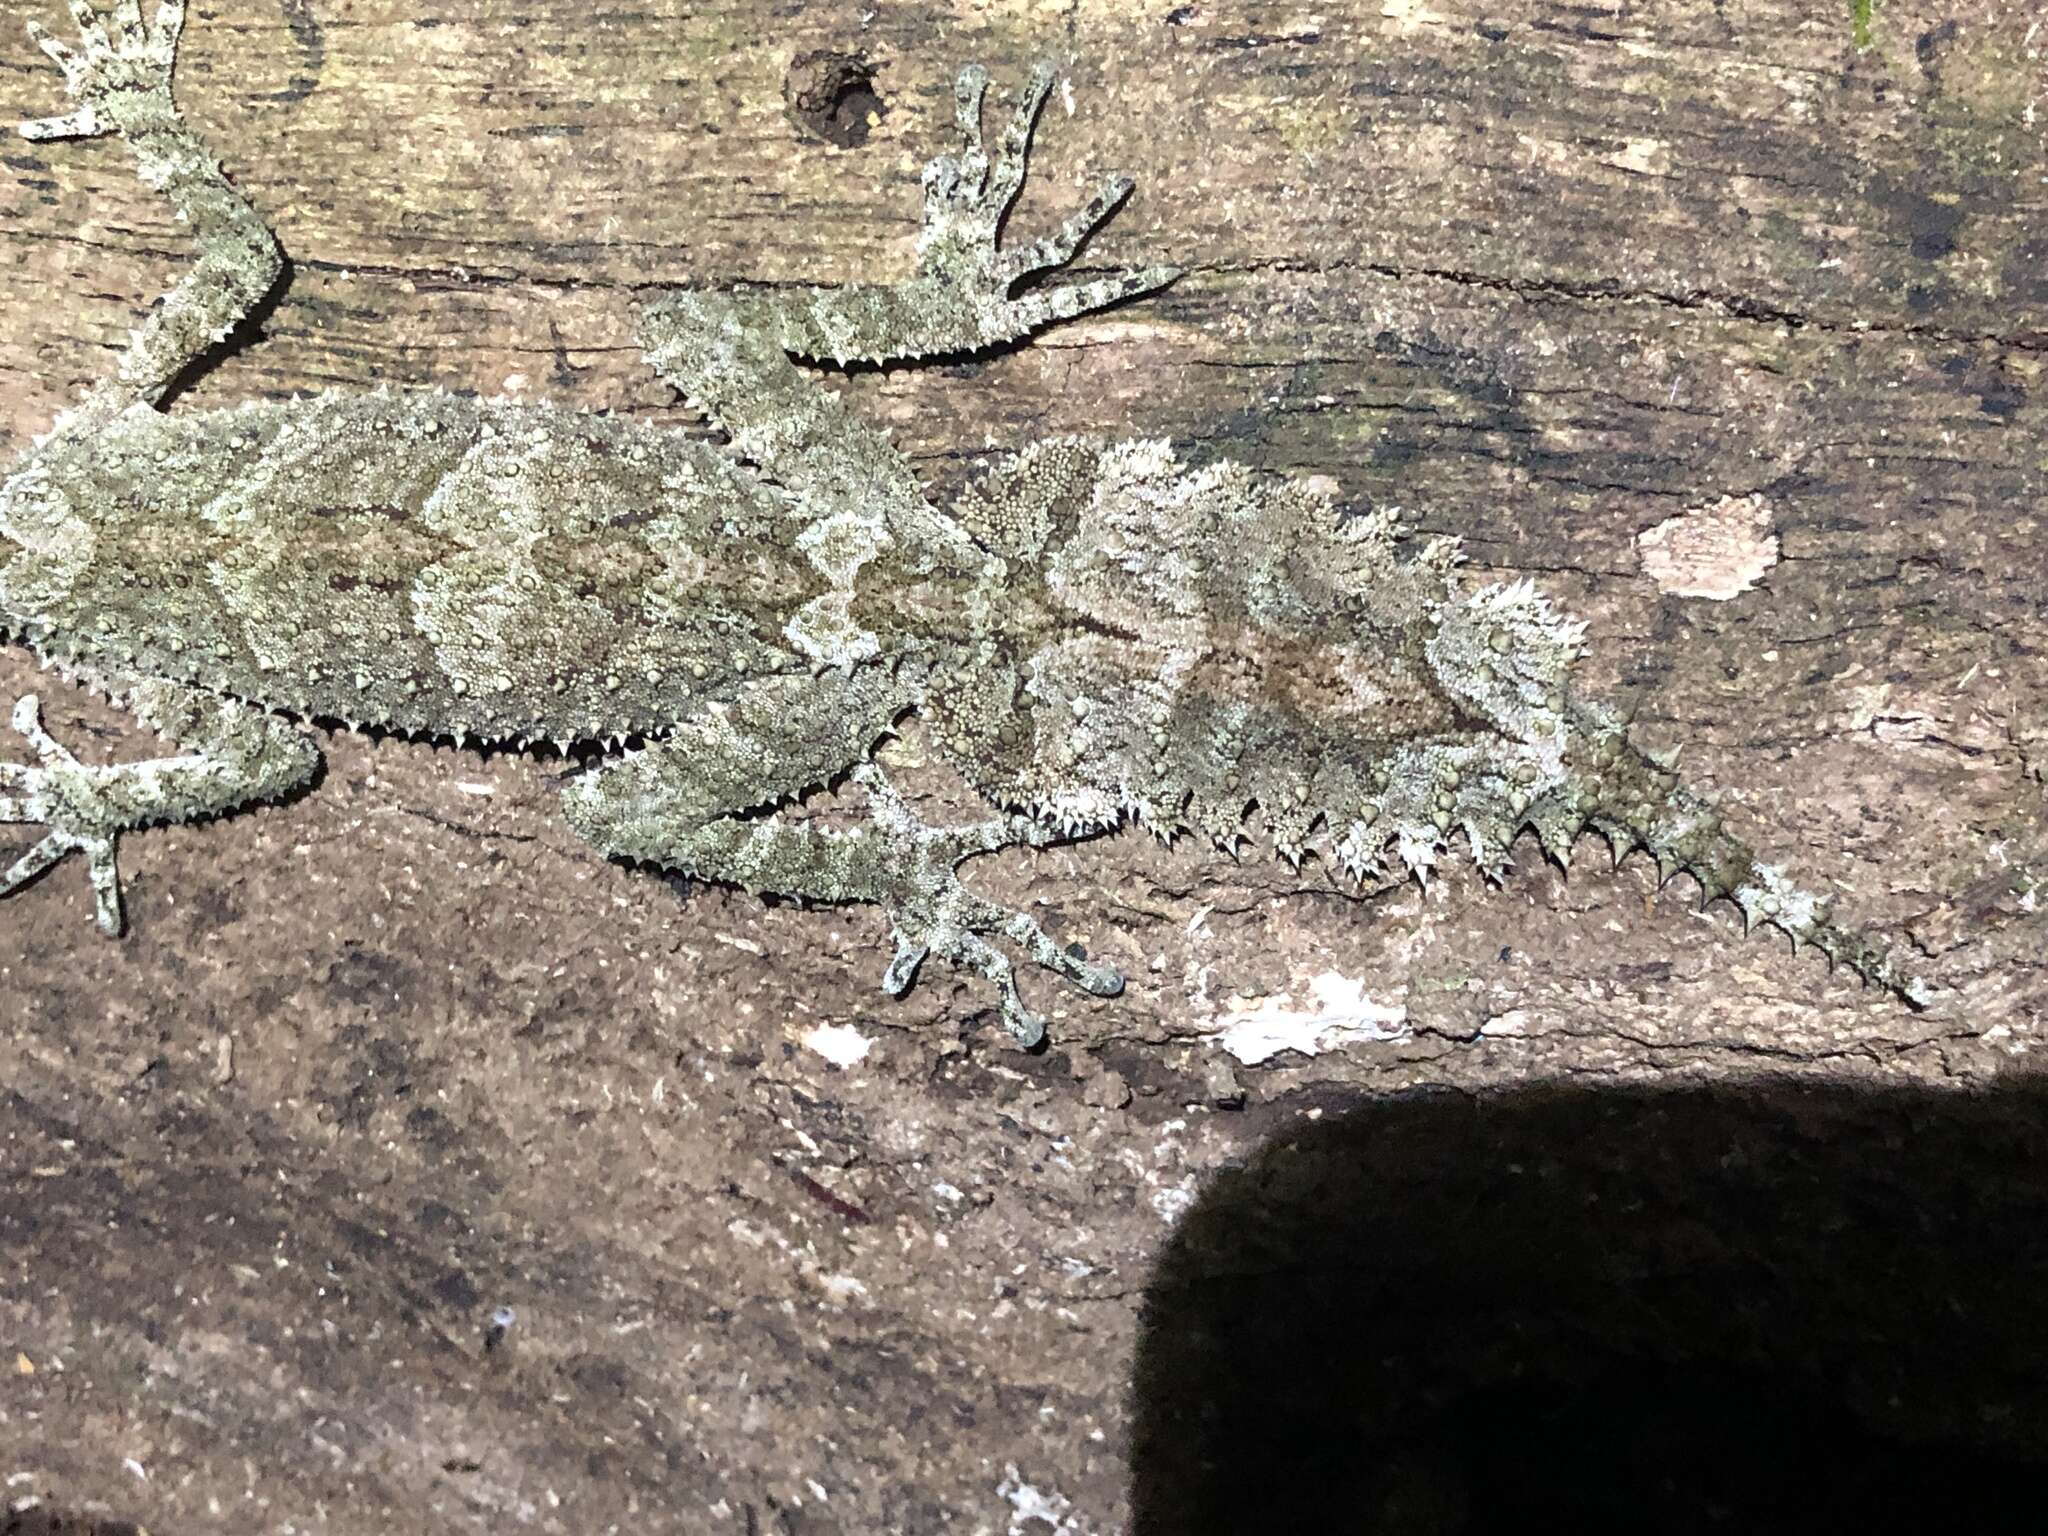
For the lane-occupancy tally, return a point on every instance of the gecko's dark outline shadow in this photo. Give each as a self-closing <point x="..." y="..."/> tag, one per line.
<point x="1780" y="1308"/>
<point x="247" y="333"/>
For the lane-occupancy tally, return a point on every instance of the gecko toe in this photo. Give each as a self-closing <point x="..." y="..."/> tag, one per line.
<point x="1025" y="1027"/>
<point x="1101" y="980"/>
<point x="903" y="966"/>
<point x="28" y="724"/>
<point x="105" y="874"/>
<point x="49" y="851"/>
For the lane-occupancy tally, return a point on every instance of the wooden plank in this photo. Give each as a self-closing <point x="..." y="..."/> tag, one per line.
<point x="1547" y="274"/>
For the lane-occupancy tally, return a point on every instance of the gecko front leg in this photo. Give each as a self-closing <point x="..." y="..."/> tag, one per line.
<point x="231" y="755"/>
<point x="700" y="802"/>
<point x="118" y="71"/>
<point x="730" y="352"/>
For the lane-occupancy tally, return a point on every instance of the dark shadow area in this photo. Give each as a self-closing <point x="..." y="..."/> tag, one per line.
<point x="38" y="1521"/>
<point x="1777" y="1309"/>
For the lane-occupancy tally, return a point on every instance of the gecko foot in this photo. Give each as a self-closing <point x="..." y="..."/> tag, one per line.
<point x="968" y="194"/>
<point x="933" y="913"/>
<point x="69" y="798"/>
<point x="119" y="70"/>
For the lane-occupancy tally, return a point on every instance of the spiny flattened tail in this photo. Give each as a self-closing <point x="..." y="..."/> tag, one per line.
<point x="1637" y="802"/>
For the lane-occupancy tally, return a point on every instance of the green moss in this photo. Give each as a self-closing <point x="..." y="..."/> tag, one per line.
<point x="1860" y="13"/>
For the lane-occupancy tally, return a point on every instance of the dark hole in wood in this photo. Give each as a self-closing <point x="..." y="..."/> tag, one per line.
<point x="833" y="96"/>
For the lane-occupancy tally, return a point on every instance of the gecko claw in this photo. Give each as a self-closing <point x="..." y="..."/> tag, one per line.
<point x="62" y="795"/>
<point x="932" y="913"/>
<point x="970" y="192"/>
<point x="101" y="870"/>
<point x="118" y="70"/>
<point x="902" y="969"/>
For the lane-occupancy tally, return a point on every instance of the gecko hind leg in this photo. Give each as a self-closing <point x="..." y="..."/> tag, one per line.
<point x="931" y="912"/>
<point x="731" y="353"/>
<point x="702" y="800"/>
<point x="234" y="754"/>
<point x="638" y="808"/>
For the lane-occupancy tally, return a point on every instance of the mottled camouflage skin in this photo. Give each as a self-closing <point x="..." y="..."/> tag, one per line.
<point x="1094" y="631"/>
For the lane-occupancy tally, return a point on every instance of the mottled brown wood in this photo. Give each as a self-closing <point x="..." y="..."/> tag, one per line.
<point x="1546" y="274"/>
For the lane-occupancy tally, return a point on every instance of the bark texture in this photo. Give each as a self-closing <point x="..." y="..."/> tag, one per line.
<point x="786" y="1255"/>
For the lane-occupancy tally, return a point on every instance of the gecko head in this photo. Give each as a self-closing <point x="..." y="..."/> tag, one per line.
<point x="1220" y="650"/>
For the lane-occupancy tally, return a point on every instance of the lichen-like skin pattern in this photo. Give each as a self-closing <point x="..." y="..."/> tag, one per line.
<point x="1095" y="631"/>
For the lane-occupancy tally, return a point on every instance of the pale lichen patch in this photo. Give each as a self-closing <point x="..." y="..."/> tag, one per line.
<point x="1035" y="1511"/>
<point x="841" y="1044"/>
<point x="1341" y="1014"/>
<point x="1717" y="551"/>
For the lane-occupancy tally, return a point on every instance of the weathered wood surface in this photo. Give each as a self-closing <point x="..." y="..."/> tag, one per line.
<point x="380" y="1060"/>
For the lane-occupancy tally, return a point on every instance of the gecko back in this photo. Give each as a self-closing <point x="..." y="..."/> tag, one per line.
<point x="419" y="560"/>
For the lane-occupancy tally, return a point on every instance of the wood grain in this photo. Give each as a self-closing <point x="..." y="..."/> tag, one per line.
<point x="1546" y="274"/>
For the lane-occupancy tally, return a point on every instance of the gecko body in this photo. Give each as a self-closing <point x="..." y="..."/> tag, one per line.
<point x="1094" y="632"/>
